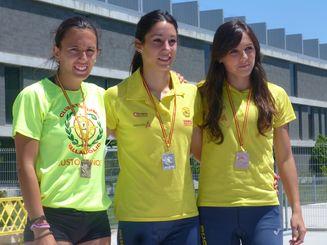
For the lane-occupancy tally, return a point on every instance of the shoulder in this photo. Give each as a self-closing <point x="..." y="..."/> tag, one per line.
<point x="275" y="89"/>
<point x="39" y="95"/>
<point x="93" y="87"/>
<point x="36" y="90"/>
<point x="189" y="87"/>
<point x="121" y="87"/>
<point x="279" y="94"/>
<point x="182" y="86"/>
<point x="200" y="83"/>
<point x="117" y="92"/>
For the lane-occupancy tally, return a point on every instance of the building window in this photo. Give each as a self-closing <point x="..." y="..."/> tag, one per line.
<point x="300" y="118"/>
<point x="320" y="111"/>
<point x="311" y="124"/>
<point x="12" y="88"/>
<point x="293" y="79"/>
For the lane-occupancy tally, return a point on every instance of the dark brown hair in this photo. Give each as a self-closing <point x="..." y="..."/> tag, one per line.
<point x="77" y="21"/>
<point x="227" y="37"/>
<point x="144" y="25"/>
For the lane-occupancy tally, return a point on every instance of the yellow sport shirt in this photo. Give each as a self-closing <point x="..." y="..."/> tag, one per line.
<point x="144" y="191"/>
<point x="41" y="112"/>
<point x="221" y="185"/>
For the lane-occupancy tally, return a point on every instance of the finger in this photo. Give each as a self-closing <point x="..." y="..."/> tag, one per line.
<point x="295" y="234"/>
<point x="301" y="236"/>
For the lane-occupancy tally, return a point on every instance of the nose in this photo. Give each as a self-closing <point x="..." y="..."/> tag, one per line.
<point x="244" y="55"/>
<point x="166" y="44"/>
<point x="82" y="54"/>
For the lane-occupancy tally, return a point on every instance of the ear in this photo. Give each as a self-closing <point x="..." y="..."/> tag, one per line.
<point x="138" y="45"/>
<point x="56" y="53"/>
<point x="99" y="51"/>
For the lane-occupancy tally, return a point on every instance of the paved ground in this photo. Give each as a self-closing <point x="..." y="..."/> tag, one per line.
<point x="312" y="237"/>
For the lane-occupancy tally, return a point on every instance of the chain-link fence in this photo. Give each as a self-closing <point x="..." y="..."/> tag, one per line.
<point x="312" y="171"/>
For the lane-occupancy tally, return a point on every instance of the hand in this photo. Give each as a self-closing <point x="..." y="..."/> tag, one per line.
<point x="181" y="78"/>
<point x="298" y="229"/>
<point x="276" y="179"/>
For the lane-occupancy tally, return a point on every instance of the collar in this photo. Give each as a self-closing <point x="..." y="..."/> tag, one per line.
<point x="136" y="90"/>
<point x="234" y="90"/>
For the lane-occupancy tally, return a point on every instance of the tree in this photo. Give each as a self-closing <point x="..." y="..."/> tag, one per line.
<point x="318" y="160"/>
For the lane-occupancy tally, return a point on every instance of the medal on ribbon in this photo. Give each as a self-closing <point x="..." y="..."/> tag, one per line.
<point x="167" y="158"/>
<point x="242" y="158"/>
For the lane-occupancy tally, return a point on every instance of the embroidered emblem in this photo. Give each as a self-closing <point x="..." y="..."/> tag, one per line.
<point x="186" y="111"/>
<point x="95" y="133"/>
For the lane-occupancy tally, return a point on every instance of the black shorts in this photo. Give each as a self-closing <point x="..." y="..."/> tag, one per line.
<point x="74" y="226"/>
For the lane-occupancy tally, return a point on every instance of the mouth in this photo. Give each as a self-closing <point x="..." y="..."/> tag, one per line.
<point x="81" y="68"/>
<point x="165" y="59"/>
<point x="244" y="66"/>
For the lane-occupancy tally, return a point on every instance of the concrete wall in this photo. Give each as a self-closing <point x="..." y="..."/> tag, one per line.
<point x="187" y="12"/>
<point x="278" y="72"/>
<point x="294" y="127"/>
<point x="2" y="96"/>
<point x="312" y="83"/>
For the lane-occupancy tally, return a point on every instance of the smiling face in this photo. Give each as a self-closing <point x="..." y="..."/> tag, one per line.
<point x="239" y="61"/>
<point x="76" y="55"/>
<point x="159" y="47"/>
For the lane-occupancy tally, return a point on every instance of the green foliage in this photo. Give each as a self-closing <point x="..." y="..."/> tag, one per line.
<point x="324" y="170"/>
<point x="318" y="160"/>
<point x="3" y="193"/>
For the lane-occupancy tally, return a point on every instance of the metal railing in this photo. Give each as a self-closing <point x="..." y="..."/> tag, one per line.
<point x="13" y="218"/>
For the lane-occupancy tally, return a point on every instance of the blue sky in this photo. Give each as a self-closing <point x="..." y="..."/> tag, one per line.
<point x="306" y="17"/>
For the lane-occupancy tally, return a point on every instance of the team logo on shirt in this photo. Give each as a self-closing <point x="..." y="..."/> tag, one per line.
<point x="83" y="128"/>
<point x="186" y="111"/>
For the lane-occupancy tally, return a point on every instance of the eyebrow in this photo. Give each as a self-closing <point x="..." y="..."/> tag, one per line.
<point x="162" y="34"/>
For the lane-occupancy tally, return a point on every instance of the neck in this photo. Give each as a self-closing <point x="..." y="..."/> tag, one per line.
<point x="239" y="84"/>
<point x="157" y="82"/>
<point x="67" y="83"/>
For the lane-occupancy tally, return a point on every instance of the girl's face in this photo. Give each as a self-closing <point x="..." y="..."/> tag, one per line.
<point x="159" y="47"/>
<point x="77" y="54"/>
<point x="239" y="62"/>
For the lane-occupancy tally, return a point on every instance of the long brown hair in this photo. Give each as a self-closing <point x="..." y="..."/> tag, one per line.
<point x="227" y="37"/>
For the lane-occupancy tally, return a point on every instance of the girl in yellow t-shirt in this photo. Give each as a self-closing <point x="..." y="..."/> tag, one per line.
<point x="60" y="131"/>
<point x="151" y="114"/>
<point x="244" y="117"/>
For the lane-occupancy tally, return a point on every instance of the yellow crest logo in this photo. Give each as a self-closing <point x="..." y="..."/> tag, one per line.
<point x="186" y="111"/>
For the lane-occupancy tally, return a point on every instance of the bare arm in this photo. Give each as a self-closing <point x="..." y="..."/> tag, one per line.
<point x="26" y="153"/>
<point x="288" y="174"/>
<point x="196" y="144"/>
<point x="111" y="132"/>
